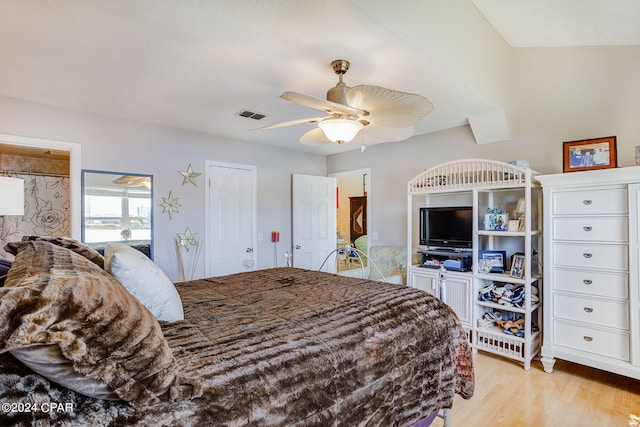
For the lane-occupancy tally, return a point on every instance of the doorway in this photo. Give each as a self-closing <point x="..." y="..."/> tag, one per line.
<point x="51" y="171"/>
<point x="353" y="213"/>
<point x="313" y="211"/>
<point x="230" y="224"/>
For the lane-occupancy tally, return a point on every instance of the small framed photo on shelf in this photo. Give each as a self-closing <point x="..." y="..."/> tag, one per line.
<point x="495" y="261"/>
<point x="517" y="266"/>
<point x="496" y="222"/>
<point x="590" y="154"/>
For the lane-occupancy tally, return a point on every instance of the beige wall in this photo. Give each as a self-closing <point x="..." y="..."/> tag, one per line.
<point x="126" y="146"/>
<point x="453" y="35"/>
<point x="567" y="94"/>
<point x="558" y="94"/>
<point x="555" y="95"/>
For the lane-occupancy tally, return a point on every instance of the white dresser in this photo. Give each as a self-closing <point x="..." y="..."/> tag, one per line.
<point x="591" y="257"/>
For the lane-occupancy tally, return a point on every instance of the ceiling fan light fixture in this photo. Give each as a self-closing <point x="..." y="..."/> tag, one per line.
<point x="340" y="130"/>
<point x="388" y="115"/>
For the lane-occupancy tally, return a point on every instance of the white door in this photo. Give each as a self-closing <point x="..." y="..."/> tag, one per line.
<point x="314" y="221"/>
<point x="230" y="219"/>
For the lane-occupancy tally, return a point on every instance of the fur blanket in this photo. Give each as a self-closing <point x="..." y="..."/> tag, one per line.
<point x="285" y="347"/>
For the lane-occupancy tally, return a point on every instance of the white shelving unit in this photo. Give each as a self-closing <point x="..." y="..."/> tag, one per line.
<point x="485" y="184"/>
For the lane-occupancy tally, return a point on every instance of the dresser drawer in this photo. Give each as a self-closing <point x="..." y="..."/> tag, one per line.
<point x="613" y="229"/>
<point x="614" y="285"/>
<point x="590" y="202"/>
<point x="612" y="257"/>
<point x="589" y="310"/>
<point x="604" y="343"/>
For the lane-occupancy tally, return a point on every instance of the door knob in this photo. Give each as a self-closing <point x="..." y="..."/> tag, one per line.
<point x="297" y="246"/>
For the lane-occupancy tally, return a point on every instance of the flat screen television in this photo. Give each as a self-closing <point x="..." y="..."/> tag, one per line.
<point x="446" y="227"/>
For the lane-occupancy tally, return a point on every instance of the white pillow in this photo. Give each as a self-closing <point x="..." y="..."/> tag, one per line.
<point x="144" y="280"/>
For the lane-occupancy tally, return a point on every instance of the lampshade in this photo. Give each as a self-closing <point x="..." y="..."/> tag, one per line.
<point x="340" y="130"/>
<point x="12" y="200"/>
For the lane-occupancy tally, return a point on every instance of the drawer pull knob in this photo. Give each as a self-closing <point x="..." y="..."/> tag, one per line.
<point x="587" y="339"/>
<point x="587" y="228"/>
<point x="587" y="255"/>
<point x="587" y="202"/>
<point x="588" y="309"/>
<point x="587" y="281"/>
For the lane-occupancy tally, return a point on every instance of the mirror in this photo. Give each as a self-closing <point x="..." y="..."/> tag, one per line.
<point x="117" y="207"/>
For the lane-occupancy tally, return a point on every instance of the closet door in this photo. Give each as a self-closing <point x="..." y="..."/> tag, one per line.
<point x="231" y="219"/>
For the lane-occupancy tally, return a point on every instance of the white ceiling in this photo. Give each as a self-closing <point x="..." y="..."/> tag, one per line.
<point x="194" y="64"/>
<point x="552" y="23"/>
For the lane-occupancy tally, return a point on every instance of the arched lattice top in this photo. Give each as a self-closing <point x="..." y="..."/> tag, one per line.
<point x="470" y="173"/>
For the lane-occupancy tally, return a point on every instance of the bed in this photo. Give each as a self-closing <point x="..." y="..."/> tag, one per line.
<point x="275" y="347"/>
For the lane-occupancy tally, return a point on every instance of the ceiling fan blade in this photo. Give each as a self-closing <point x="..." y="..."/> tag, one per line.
<point x="132" y="181"/>
<point x="314" y="138"/>
<point x="292" y="123"/>
<point x="372" y="134"/>
<point x="389" y="108"/>
<point x="319" y="104"/>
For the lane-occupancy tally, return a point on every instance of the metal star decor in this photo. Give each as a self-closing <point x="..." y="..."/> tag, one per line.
<point x="170" y="205"/>
<point x="188" y="239"/>
<point x="189" y="176"/>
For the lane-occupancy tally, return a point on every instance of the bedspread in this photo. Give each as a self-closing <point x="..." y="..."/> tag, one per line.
<point x="287" y="347"/>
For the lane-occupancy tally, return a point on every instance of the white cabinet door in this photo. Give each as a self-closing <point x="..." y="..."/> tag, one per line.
<point x="459" y="292"/>
<point x="458" y="289"/>
<point x="424" y="281"/>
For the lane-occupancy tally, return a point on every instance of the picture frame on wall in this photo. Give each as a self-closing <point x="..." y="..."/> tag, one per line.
<point x="590" y="154"/>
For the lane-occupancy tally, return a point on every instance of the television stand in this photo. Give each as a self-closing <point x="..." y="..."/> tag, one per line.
<point x="449" y="252"/>
<point x="452" y="259"/>
<point x="488" y="184"/>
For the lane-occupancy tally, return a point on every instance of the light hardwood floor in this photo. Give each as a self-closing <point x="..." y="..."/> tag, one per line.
<point x="573" y="395"/>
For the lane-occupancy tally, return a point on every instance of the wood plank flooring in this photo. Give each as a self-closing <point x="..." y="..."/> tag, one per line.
<point x="573" y="395"/>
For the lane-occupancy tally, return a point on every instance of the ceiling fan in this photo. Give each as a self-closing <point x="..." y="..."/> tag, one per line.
<point x="372" y="114"/>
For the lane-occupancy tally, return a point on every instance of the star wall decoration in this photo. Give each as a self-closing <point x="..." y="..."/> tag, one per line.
<point x="170" y="205"/>
<point x="188" y="239"/>
<point x="189" y="176"/>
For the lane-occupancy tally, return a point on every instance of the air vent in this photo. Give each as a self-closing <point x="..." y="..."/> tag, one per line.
<point x="251" y="115"/>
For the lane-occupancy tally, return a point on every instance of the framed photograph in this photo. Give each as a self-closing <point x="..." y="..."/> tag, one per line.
<point x="517" y="266"/>
<point x="495" y="260"/>
<point x="590" y="154"/>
